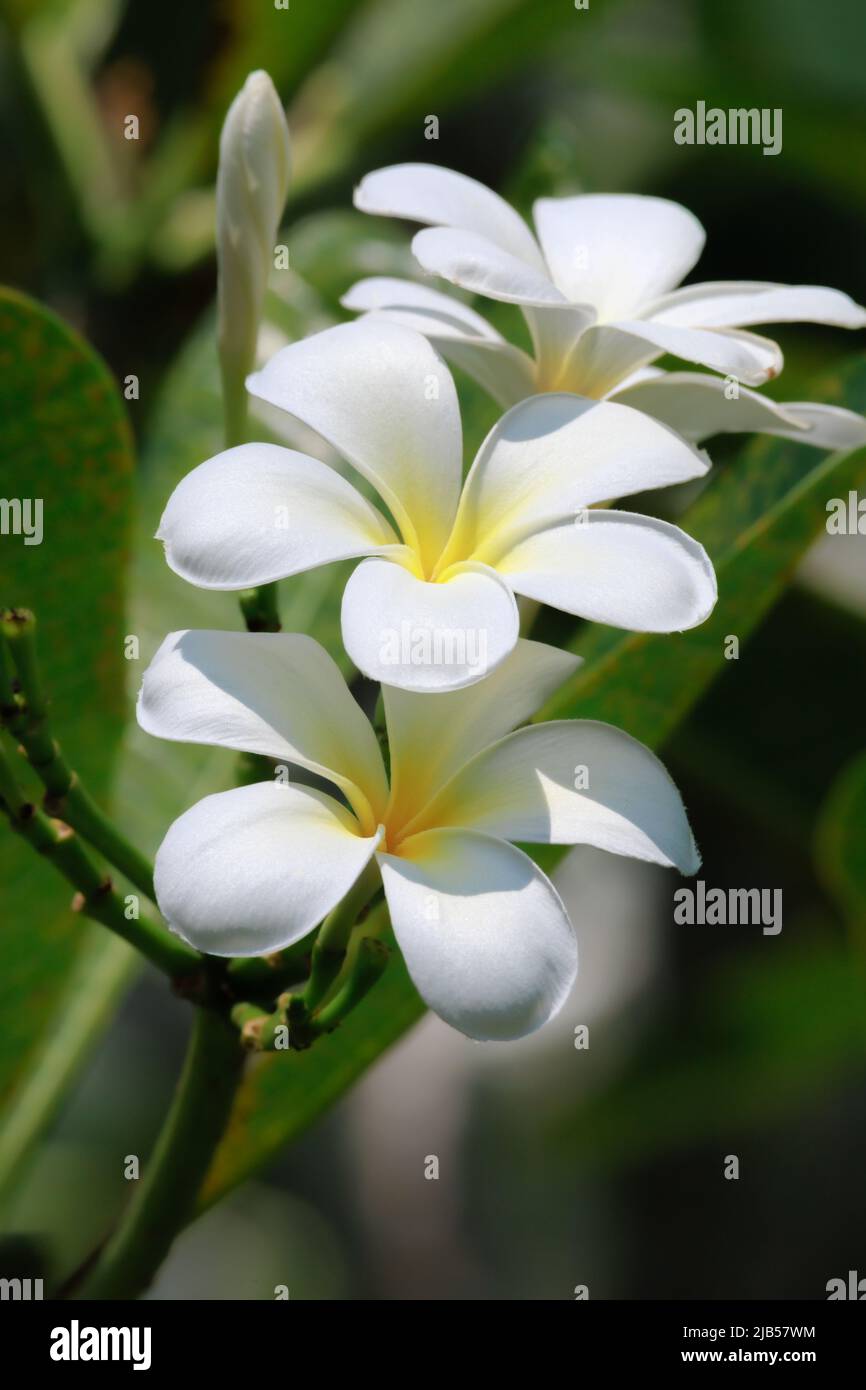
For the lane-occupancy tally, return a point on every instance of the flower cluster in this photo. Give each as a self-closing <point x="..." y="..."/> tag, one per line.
<point x="431" y="610"/>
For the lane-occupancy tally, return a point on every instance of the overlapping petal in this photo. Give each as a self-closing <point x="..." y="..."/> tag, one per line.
<point x="698" y="406"/>
<point x="618" y="568"/>
<point x="570" y="782"/>
<point x="417" y="635"/>
<point x="606" y="353"/>
<point x="463" y="337"/>
<point x="248" y="871"/>
<point x="259" y="512"/>
<point x="616" y="251"/>
<point x="555" y="454"/>
<point x="432" y="736"/>
<point x="385" y="400"/>
<point x="484" y="933"/>
<point x="443" y="198"/>
<point x="479" y="265"/>
<point x="736" y="304"/>
<point x="274" y="693"/>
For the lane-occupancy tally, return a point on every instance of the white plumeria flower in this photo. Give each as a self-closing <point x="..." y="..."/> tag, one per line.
<point x="484" y="934"/>
<point x="598" y="291"/>
<point x="434" y="608"/>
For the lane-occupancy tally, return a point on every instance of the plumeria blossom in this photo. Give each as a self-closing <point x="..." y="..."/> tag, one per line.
<point x="483" y="932"/>
<point x="598" y="289"/>
<point x="433" y="604"/>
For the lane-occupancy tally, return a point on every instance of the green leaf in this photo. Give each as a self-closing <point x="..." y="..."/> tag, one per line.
<point x="64" y="438"/>
<point x="840" y="843"/>
<point x="756" y="519"/>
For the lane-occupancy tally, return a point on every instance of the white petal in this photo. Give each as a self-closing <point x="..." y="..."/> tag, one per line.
<point x="419" y="303"/>
<point x="746" y="356"/>
<point x="505" y="372"/>
<point x="555" y="454"/>
<point x="618" y="568"/>
<point x="555" y="332"/>
<point x="571" y="782"/>
<point x="484" y="933"/>
<point x="249" y="871"/>
<point x="275" y="693"/>
<point x="617" y="251"/>
<point x="432" y="736"/>
<point x="697" y="406"/>
<point x="258" y="512"/>
<point x="722" y="304"/>
<point x="479" y="265"/>
<point x="827" y="426"/>
<point x="443" y="198"/>
<point x="407" y="632"/>
<point x="463" y="337"/>
<point x="383" y="398"/>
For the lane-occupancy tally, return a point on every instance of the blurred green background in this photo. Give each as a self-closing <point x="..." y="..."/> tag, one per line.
<point x="557" y="1167"/>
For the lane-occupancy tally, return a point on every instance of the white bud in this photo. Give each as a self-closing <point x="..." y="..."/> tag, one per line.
<point x="252" y="184"/>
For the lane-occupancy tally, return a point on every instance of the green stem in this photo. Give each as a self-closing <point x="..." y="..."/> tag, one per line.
<point x="235" y="401"/>
<point x="164" y="1201"/>
<point x="95" y="895"/>
<point x="260" y="609"/>
<point x="366" y="970"/>
<point x="260" y="1031"/>
<point x="329" y="950"/>
<point x="268" y="976"/>
<point x="27" y="721"/>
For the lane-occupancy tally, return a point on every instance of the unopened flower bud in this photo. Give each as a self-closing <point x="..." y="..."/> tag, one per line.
<point x="252" y="183"/>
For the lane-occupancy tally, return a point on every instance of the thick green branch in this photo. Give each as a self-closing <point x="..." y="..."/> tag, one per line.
<point x="95" y="895"/>
<point x="165" y="1197"/>
<point x="25" y="714"/>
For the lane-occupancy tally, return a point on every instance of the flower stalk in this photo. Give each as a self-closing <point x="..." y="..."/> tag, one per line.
<point x="260" y="610"/>
<point x="95" y="895"/>
<point x="165" y="1197"/>
<point x="25" y="713"/>
<point x="292" y="1024"/>
<point x="332" y="943"/>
